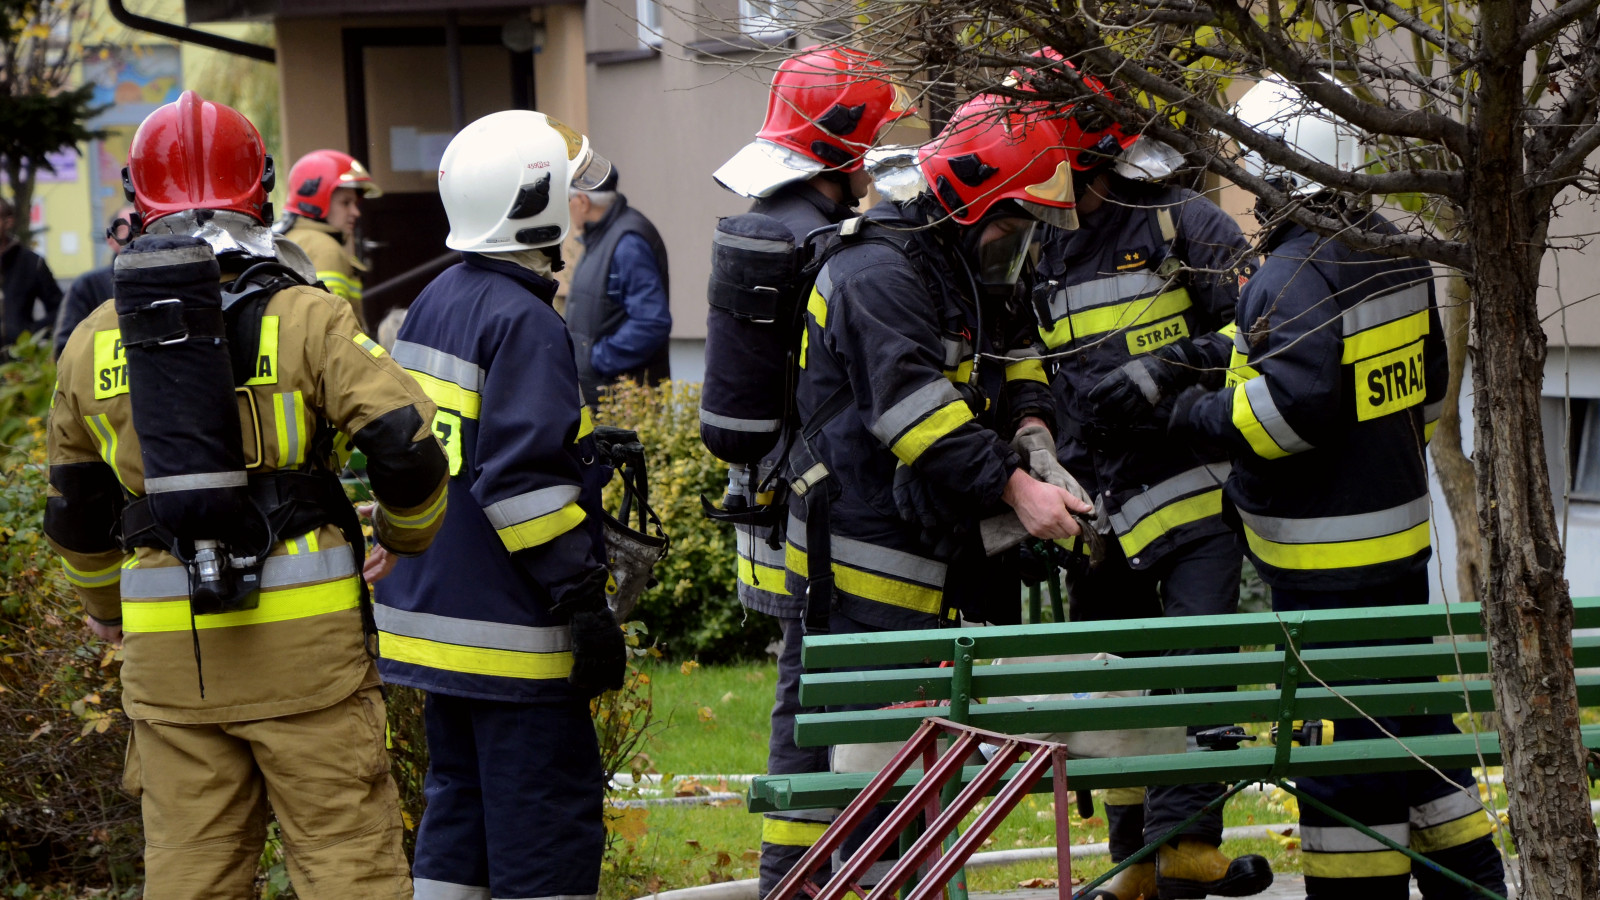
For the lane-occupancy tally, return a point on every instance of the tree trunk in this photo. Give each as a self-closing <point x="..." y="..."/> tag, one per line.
<point x="22" y="177"/>
<point x="1456" y="478"/>
<point x="1527" y="609"/>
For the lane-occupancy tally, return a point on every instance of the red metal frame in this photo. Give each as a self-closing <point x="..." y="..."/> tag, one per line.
<point x="939" y="769"/>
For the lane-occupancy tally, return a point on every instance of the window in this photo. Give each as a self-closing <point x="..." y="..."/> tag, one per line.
<point x="768" y="19"/>
<point x="647" y="13"/>
<point x="1585" y="450"/>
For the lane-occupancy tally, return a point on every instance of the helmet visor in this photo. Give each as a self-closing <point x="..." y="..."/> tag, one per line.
<point x="1000" y="259"/>
<point x="591" y="172"/>
<point x="1062" y="217"/>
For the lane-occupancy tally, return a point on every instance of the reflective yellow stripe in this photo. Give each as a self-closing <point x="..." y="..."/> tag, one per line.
<point x="1173" y="515"/>
<point x="106" y="437"/>
<point x="1371" y="864"/>
<point x="762" y="578"/>
<point x="1239" y="369"/>
<point x="1027" y="370"/>
<point x="1339" y="554"/>
<point x="1091" y="322"/>
<point x="99" y="578"/>
<point x="266" y="368"/>
<point x="870" y="585"/>
<point x="449" y="395"/>
<point x="1128" y="796"/>
<point x="276" y="606"/>
<point x="1427" y="431"/>
<point x="368" y="344"/>
<point x="961" y="373"/>
<point x="791" y="834"/>
<point x="338" y="283"/>
<point x="423" y="519"/>
<point x="289" y="415"/>
<point x="1385" y="337"/>
<point x="541" y="529"/>
<point x="921" y="436"/>
<point x="585" y="423"/>
<point x="473" y="660"/>
<point x="1451" y="834"/>
<point x="817" y="306"/>
<point x="1244" y="419"/>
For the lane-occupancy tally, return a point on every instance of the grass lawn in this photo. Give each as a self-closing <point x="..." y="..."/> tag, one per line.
<point x="714" y="720"/>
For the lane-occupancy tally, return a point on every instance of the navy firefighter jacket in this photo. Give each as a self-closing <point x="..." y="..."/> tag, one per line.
<point x="471" y="617"/>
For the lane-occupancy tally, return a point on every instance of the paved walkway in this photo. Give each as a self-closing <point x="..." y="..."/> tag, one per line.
<point x="1285" y="887"/>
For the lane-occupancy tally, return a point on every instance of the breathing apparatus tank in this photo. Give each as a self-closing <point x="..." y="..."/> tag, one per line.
<point x="752" y="334"/>
<point x="181" y="392"/>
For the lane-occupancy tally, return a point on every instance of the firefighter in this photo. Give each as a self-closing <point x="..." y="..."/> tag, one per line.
<point x="1337" y="376"/>
<point x="290" y="714"/>
<point x="804" y="169"/>
<point x="504" y="622"/>
<point x="1133" y="300"/>
<point x="326" y="188"/>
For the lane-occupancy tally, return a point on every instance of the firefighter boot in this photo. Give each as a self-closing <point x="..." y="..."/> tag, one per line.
<point x="1132" y="883"/>
<point x="1191" y="869"/>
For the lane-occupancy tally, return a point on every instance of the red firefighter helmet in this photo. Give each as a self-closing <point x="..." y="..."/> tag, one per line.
<point x="194" y="154"/>
<point x="996" y="149"/>
<point x="315" y="177"/>
<point x="830" y="105"/>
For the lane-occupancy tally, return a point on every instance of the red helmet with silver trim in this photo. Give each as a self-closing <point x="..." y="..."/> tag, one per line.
<point x="318" y="174"/>
<point x="194" y="154"/>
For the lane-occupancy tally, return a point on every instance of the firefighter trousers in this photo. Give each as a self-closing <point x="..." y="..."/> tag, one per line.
<point x="786" y="836"/>
<point x="1439" y="817"/>
<point x="515" y="797"/>
<point x="1199" y="578"/>
<point x="206" y="789"/>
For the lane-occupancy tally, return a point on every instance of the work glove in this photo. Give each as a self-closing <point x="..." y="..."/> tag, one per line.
<point x="599" y="649"/>
<point x="1037" y="448"/>
<point x="1179" y="423"/>
<point x="926" y="507"/>
<point x="1129" y="394"/>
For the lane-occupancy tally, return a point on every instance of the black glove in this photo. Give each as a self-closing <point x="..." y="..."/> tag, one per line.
<point x="1179" y="424"/>
<point x="1129" y="394"/>
<point x="599" y="649"/>
<point x="925" y="507"/>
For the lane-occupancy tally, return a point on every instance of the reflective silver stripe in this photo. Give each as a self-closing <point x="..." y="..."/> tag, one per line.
<point x="1266" y="412"/>
<point x="808" y="479"/>
<point x="166" y="582"/>
<point x="1112" y="289"/>
<point x="288" y="406"/>
<point x="473" y="632"/>
<point x="552" y="897"/>
<point x="757" y="550"/>
<point x="1198" y="479"/>
<point x="1375" y="311"/>
<point x="530" y="506"/>
<point x="1240" y="342"/>
<point x="912" y="408"/>
<point x="1338" y="839"/>
<point x="729" y="423"/>
<point x="1024" y="353"/>
<point x="438" y="363"/>
<point x="1139" y="374"/>
<point x="169" y="483"/>
<point x="874" y="873"/>
<point x="954" y="352"/>
<point x="824" y="283"/>
<point x="1432" y="411"/>
<point x="882" y="560"/>
<point x="428" y="889"/>
<point x="804" y="815"/>
<point x="1329" y="529"/>
<point x="1450" y="807"/>
<point x="759" y="245"/>
<point x="176" y="256"/>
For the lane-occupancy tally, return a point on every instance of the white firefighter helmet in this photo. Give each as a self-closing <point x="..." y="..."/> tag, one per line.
<point x="504" y="181"/>
<point x="1277" y="109"/>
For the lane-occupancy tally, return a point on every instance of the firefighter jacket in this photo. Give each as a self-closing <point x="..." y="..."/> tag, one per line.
<point x="474" y="617"/>
<point x="802" y="209"/>
<point x="1154" y="264"/>
<point x="889" y="323"/>
<point x="316" y="378"/>
<point x="1338" y="375"/>
<point x="339" y="271"/>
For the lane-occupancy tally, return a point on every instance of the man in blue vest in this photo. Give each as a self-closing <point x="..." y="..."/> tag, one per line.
<point x="617" y="304"/>
<point x="504" y="624"/>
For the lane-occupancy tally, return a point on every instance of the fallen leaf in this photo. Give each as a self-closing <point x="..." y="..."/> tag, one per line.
<point x="707" y="714"/>
<point x="751" y="856"/>
<point x="688" y="667"/>
<point x="1037" y="883"/>
<point x="693" y="843"/>
<point x="629" y="824"/>
<point x="729" y="697"/>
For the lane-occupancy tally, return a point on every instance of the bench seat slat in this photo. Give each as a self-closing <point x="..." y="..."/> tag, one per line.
<point x="1437" y="697"/>
<point x="823" y="791"/>
<point x="1193" y="632"/>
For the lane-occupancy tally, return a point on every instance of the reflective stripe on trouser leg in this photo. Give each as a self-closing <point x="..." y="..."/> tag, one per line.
<point x="1451" y="827"/>
<point x="205" y="811"/>
<point x="1478" y="861"/>
<point x="786" y="836"/>
<point x="1198" y="578"/>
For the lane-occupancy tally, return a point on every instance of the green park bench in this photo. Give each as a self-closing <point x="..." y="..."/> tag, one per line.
<point x="1281" y="686"/>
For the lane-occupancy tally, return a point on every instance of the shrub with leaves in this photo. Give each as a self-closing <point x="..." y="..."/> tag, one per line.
<point x="63" y="814"/>
<point x="693" y="610"/>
